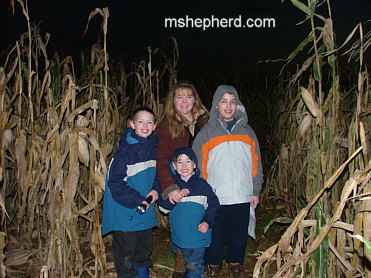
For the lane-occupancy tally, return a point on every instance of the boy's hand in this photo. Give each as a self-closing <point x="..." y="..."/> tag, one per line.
<point x="184" y="192"/>
<point x="174" y="196"/>
<point x="254" y="201"/>
<point x="154" y="195"/>
<point x="203" y="227"/>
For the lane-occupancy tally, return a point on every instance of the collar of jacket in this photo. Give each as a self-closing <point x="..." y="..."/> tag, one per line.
<point x="130" y="137"/>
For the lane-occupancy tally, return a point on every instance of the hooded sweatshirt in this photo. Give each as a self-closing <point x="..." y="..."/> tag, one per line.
<point x="130" y="177"/>
<point x="230" y="161"/>
<point x="199" y="206"/>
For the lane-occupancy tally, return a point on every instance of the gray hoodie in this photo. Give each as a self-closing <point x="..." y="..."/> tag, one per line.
<point x="229" y="161"/>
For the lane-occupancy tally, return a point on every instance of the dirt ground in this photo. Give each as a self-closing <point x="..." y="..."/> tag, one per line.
<point x="163" y="258"/>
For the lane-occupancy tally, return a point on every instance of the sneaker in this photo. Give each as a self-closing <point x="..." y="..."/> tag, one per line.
<point x="212" y="271"/>
<point x="234" y="270"/>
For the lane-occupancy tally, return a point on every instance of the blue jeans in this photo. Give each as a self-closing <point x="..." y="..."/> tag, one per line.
<point x="193" y="258"/>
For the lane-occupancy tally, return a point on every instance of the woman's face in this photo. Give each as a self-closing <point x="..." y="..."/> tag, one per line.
<point x="184" y="101"/>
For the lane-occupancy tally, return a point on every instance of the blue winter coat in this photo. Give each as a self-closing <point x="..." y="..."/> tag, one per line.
<point x="131" y="176"/>
<point x="199" y="206"/>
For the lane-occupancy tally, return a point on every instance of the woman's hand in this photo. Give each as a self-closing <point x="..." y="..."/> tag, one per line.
<point x="200" y="113"/>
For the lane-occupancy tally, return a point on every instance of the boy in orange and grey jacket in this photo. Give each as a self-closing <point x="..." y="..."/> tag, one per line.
<point x="228" y="154"/>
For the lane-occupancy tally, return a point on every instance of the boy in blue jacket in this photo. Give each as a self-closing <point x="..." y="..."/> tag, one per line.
<point x="131" y="179"/>
<point x="192" y="217"/>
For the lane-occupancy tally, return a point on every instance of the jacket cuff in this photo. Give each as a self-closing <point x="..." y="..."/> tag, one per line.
<point x="256" y="192"/>
<point x="171" y="188"/>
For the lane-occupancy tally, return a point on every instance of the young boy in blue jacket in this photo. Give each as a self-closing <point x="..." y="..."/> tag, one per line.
<point x="131" y="179"/>
<point x="192" y="217"/>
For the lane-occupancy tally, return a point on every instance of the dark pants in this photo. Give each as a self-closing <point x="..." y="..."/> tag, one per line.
<point x="131" y="248"/>
<point x="229" y="235"/>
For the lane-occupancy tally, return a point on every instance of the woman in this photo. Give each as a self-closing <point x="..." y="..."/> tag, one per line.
<point x="184" y="116"/>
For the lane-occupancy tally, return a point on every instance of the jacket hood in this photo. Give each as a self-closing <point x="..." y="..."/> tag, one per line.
<point x="191" y="154"/>
<point x="219" y="93"/>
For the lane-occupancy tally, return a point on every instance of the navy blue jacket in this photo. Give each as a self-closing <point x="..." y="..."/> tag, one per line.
<point x="200" y="205"/>
<point x="130" y="177"/>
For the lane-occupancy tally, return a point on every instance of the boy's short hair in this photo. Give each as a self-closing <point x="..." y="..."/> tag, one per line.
<point x="140" y="109"/>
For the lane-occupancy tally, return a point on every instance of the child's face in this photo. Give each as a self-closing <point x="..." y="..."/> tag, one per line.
<point x="227" y="106"/>
<point x="184" y="166"/>
<point x="143" y="124"/>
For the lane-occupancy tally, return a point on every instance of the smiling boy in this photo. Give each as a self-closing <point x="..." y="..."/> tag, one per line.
<point x="192" y="217"/>
<point x="229" y="158"/>
<point x="131" y="179"/>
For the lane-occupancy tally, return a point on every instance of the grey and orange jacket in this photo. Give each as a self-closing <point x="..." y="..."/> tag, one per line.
<point x="229" y="161"/>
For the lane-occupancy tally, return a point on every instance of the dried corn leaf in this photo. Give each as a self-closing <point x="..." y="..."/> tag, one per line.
<point x="310" y="102"/>
<point x="347" y="190"/>
<point x="97" y="247"/>
<point x="83" y="150"/>
<point x="362" y="135"/>
<point x="19" y="257"/>
<point x="2" y="247"/>
<point x="20" y="154"/>
<point x="72" y="177"/>
<point x="267" y="255"/>
<point x="284" y="154"/>
<point x="99" y="179"/>
<point x="82" y="121"/>
<point x="305" y="124"/>
<point x="7" y="138"/>
<point x="282" y="220"/>
<point x="2" y="205"/>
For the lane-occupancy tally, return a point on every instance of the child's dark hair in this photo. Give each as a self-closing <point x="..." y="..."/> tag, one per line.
<point x="140" y="109"/>
<point x="179" y="155"/>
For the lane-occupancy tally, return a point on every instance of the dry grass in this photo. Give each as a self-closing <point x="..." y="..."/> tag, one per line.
<point x="58" y="131"/>
<point x="322" y="170"/>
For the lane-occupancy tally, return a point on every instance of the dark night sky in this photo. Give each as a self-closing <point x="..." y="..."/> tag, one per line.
<point x="134" y="25"/>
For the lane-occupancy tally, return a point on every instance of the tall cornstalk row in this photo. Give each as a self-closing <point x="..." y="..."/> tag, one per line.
<point x="58" y="134"/>
<point x="322" y="171"/>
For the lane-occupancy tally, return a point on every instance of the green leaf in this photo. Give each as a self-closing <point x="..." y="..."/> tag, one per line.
<point x="321" y="255"/>
<point x="366" y="242"/>
<point x="331" y="61"/>
<point x="308" y="62"/>
<point x="316" y="69"/>
<point x="299" y="48"/>
<point x="326" y="138"/>
<point x="312" y="6"/>
<point x="302" y="7"/>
